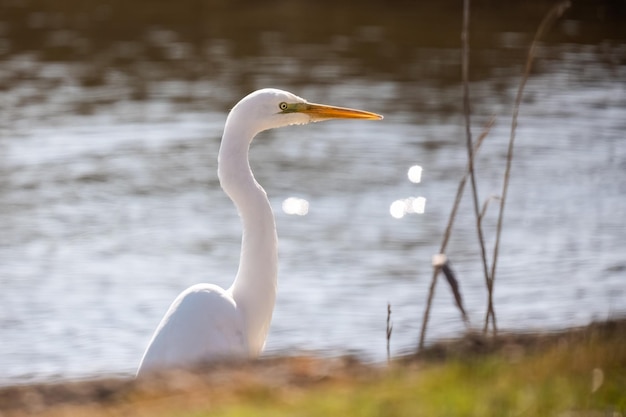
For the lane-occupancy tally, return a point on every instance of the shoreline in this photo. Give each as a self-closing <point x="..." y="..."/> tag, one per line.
<point x="439" y="348"/>
<point x="290" y="373"/>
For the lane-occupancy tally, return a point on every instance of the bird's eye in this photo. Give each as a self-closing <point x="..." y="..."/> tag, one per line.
<point x="283" y="106"/>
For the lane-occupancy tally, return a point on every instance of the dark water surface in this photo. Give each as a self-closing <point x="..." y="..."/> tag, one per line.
<point x="111" y="115"/>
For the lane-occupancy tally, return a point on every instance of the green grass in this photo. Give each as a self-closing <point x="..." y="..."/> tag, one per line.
<point x="557" y="381"/>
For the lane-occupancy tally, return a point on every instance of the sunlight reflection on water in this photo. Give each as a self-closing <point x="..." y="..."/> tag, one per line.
<point x="296" y="206"/>
<point x="410" y="205"/>
<point x="415" y="174"/>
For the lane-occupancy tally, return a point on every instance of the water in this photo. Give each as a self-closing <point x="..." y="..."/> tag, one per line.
<point x="110" y="203"/>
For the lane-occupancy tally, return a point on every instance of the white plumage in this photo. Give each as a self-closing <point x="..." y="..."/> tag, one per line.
<point x="205" y="322"/>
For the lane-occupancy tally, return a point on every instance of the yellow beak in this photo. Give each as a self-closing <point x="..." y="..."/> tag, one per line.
<point x="319" y="112"/>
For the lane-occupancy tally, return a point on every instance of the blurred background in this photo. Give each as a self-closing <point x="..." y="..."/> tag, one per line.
<point x="111" y="114"/>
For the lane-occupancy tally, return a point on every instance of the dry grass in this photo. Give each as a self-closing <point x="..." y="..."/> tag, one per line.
<point x="576" y="372"/>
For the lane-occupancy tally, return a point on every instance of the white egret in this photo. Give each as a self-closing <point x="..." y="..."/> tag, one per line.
<point x="206" y="322"/>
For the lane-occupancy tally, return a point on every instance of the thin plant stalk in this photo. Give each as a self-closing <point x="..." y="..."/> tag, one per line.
<point x="486" y="205"/>
<point x="554" y="13"/>
<point x="447" y="234"/>
<point x="389" y="331"/>
<point x="470" y="156"/>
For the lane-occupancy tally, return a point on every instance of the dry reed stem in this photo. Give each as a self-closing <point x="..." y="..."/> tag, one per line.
<point x="454" y="285"/>
<point x="470" y="156"/>
<point x="389" y="330"/>
<point x="554" y="13"/>
<point x="486" y="205"/>
<point x="448" y="233"/>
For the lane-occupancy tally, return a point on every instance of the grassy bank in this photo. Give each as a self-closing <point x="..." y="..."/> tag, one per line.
<point x="580" y="372"/>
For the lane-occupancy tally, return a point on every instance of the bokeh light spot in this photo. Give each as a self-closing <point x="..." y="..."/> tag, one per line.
<point x="411" y="205"/>
<point x="415" y="174"/>
<point x="296" y="206"/>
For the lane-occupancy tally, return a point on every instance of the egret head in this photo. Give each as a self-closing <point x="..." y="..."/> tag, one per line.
<point x="271" y="108"/>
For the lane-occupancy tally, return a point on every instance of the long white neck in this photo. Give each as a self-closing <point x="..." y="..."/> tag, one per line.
<point x="254" y="288"/>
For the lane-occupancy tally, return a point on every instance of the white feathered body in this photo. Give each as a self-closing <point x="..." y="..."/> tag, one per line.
<point x="205" y="322"/>
<point x="202" y="323"/>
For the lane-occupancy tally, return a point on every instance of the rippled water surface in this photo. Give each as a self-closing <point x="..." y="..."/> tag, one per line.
<point x="110" y="203"/>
